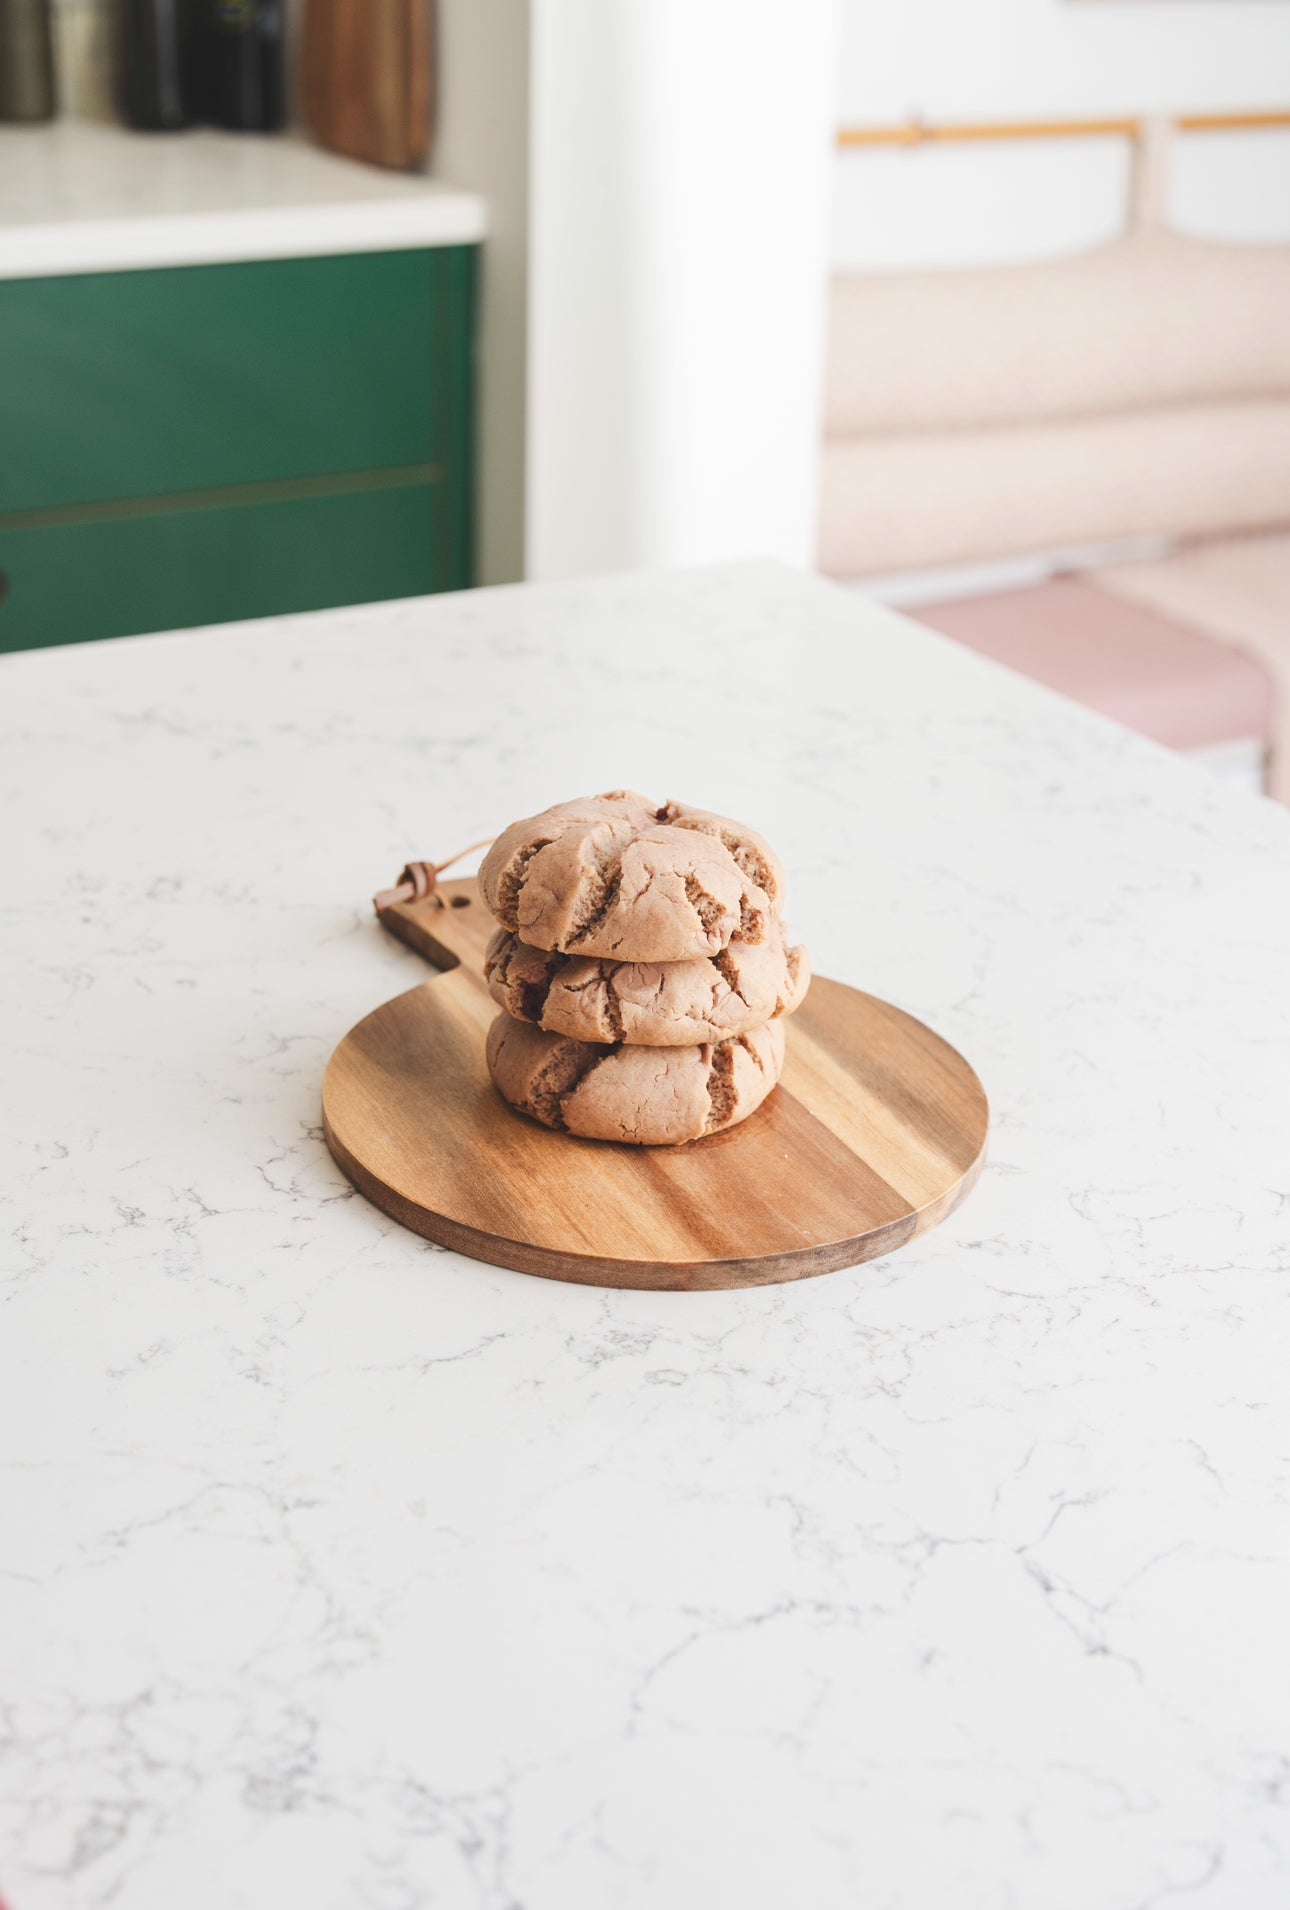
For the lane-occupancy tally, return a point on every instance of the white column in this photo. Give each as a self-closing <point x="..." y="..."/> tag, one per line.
<point x="481" y="141"/>
<point x="680" y="163"/>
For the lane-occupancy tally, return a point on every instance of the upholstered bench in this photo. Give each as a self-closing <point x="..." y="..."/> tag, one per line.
<point x="1141" y="391"/>
<point x="1150" y="672"/>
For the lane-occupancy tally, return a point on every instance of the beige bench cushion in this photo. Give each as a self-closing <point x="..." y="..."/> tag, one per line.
<point x="1238" y="591"/>
<point x="1155" y="319"/>
<point x="904" y="503"/>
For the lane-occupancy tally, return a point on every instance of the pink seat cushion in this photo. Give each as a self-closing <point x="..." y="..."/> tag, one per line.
<point x="1147" y="672"/>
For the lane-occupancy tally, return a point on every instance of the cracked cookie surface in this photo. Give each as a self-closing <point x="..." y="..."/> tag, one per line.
<point x="621" y="877"/>
<point x="652" y="1097"/>
<point x="654" y="1004"/>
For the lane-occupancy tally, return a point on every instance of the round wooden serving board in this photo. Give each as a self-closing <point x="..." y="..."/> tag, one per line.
<point x="875" y="1133"/>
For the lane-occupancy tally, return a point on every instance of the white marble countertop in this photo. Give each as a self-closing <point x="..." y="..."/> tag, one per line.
<point x="339" y="1571"/>
<point x="77" y="196"/>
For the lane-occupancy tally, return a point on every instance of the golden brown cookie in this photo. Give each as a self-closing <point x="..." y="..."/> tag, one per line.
<point x="649" y="1004"/>
<point x="650" y="1096"/>
<point x="622" y="877"/>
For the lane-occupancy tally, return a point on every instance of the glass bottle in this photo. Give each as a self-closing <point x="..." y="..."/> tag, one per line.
<point x="154" y="63"/>
<point x="26" y="60"/>
<point x="244" y="64"/>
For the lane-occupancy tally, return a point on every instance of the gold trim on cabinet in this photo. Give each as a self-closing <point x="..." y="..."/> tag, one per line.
<point x="271" y="491"/>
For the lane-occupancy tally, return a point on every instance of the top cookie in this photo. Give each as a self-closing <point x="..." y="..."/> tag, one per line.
<point x="619" y="876"/>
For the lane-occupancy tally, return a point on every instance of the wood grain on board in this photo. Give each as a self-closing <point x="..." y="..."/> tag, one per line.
<point x="875" y="1133"/>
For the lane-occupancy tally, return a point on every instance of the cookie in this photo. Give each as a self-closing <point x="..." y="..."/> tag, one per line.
<point x="651" y="1004"/>
<point x="651" y="1096"/>
<point x="620" y="877"/>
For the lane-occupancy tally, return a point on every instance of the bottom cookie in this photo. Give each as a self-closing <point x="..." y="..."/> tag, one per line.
<point x="651" y="1097"/>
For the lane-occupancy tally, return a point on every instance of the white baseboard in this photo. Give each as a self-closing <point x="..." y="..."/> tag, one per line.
<point x="1241" y="764"/>
<point x="1005" y="573"/>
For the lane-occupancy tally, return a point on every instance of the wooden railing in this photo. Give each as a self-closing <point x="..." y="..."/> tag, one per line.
<point x="916" y="132"/>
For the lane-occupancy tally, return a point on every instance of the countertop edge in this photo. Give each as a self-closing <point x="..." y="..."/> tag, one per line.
<point x="64" y="249"/>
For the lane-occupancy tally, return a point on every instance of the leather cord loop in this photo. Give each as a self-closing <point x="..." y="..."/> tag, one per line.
<point x="419" y="880"/>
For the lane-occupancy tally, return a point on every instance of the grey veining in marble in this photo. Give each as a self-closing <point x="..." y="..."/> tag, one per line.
<point x="337" y="1571"/>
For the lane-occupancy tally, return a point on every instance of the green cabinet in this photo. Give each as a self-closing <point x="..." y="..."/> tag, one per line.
<point x="169" y="569"/>
<point x="207" y="443"/>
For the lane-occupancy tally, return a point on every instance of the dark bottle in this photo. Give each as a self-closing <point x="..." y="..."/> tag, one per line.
<point x="244" y="64"/>
<point x="155" y="45"/>
<point x="26" y="60"/>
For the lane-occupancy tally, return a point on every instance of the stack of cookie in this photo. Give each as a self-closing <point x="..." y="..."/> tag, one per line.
<point x="642" y="967"/>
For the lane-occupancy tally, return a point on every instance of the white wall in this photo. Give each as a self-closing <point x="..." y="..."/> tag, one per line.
<point x="681" y="152"/>
<point x="482" y="141"/>
<point x="1052" y="59"/>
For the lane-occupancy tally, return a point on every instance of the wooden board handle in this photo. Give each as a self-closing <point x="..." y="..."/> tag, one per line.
<point x="444" y="921"/>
